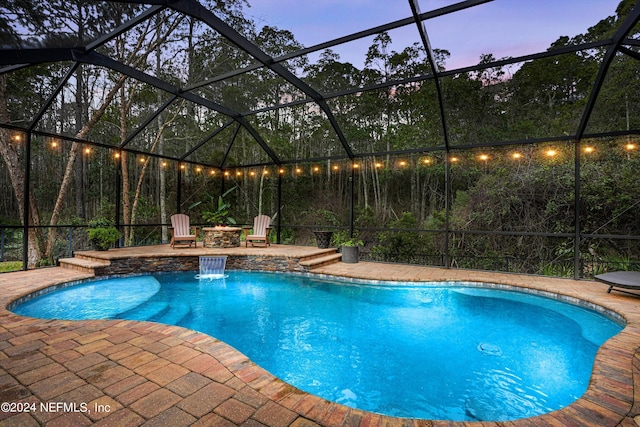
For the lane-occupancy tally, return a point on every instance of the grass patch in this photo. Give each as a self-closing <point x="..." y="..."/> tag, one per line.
<point x="10" y="266"/>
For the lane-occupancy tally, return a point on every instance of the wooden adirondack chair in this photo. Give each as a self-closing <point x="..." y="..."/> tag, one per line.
<point x="181" y="231"/>
<point x="261" y="228"/>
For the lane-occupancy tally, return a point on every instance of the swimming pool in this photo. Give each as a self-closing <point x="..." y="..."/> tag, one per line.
<point x="411" y="350"/>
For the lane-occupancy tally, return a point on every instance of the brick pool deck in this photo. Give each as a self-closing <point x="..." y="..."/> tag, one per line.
<point x="125" y="373"/>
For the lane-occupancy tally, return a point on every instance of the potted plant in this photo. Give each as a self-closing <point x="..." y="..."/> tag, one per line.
<point x="218" y="215"/>
<point x="102" y="234"/>
<point x="351" y="250"/>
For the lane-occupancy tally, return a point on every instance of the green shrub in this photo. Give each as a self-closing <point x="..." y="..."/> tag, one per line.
<point x="102" y="233"/>
<point x="10" y="266"/>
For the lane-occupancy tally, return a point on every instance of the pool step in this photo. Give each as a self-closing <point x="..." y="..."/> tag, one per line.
<point x="172" y="315"/>
<point x="86" y="265"/>
<point x="146" y="311"/>
<point x="317" y="262"/>
<point x="157" y="311"/>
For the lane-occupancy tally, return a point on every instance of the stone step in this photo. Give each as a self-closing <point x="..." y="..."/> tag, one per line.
<point x="90" y="256"/>
<point x="317" y="262"/>
<point x="86" y="265"/>
<point x="320" y="253"/>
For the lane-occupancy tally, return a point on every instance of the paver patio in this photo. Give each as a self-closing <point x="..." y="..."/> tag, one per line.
<point x="127" y="373"/>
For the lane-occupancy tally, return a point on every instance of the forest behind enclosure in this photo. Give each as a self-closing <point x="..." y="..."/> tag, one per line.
<point x="517" y="174"/>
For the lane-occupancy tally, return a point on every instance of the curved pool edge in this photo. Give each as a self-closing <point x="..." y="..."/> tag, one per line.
<point x="607" y="402"/>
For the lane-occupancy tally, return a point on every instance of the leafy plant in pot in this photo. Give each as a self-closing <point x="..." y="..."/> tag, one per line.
<point x="218" y="214"/>
<point x="351" y="250"/>
<point x="102" y="234"/>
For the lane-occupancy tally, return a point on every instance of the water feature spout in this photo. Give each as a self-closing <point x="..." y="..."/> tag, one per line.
<point x="212" y="267"/>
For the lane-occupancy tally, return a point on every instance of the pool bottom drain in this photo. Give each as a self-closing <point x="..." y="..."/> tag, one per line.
<point x="489" y="349"/>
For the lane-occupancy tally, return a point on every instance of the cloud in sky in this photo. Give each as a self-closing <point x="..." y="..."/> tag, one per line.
<point x="501" y="27"/>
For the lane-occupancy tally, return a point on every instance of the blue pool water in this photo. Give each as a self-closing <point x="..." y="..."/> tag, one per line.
<point x="409" y="350"/>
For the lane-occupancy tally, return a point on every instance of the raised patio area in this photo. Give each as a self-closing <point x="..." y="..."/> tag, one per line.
<point x="126" y="373"/>
<point x="142" y="259"/>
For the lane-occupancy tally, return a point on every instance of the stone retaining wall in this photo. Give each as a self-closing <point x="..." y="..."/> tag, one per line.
<point x="192" y="263"/>
<point x="259" y="262"/>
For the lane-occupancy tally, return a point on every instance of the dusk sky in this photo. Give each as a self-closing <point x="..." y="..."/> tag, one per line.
<point x="502" y="27"/>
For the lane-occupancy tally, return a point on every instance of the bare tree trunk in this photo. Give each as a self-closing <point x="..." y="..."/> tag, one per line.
<point x="260" y="191"/>
<point x="136" y="199"/>
<point x="79" y="170"/>
<point x="365" y="185"/>
<point x="415" y="186"/>
<point x="162" y="193"/>
<point x="424" y="198"/>
<point x="245" y="194"/>
<point x="375" y="179"/>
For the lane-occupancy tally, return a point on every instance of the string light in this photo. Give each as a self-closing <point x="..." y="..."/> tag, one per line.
<point x="17" y="137"/>
<point x="56" y="144"/>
